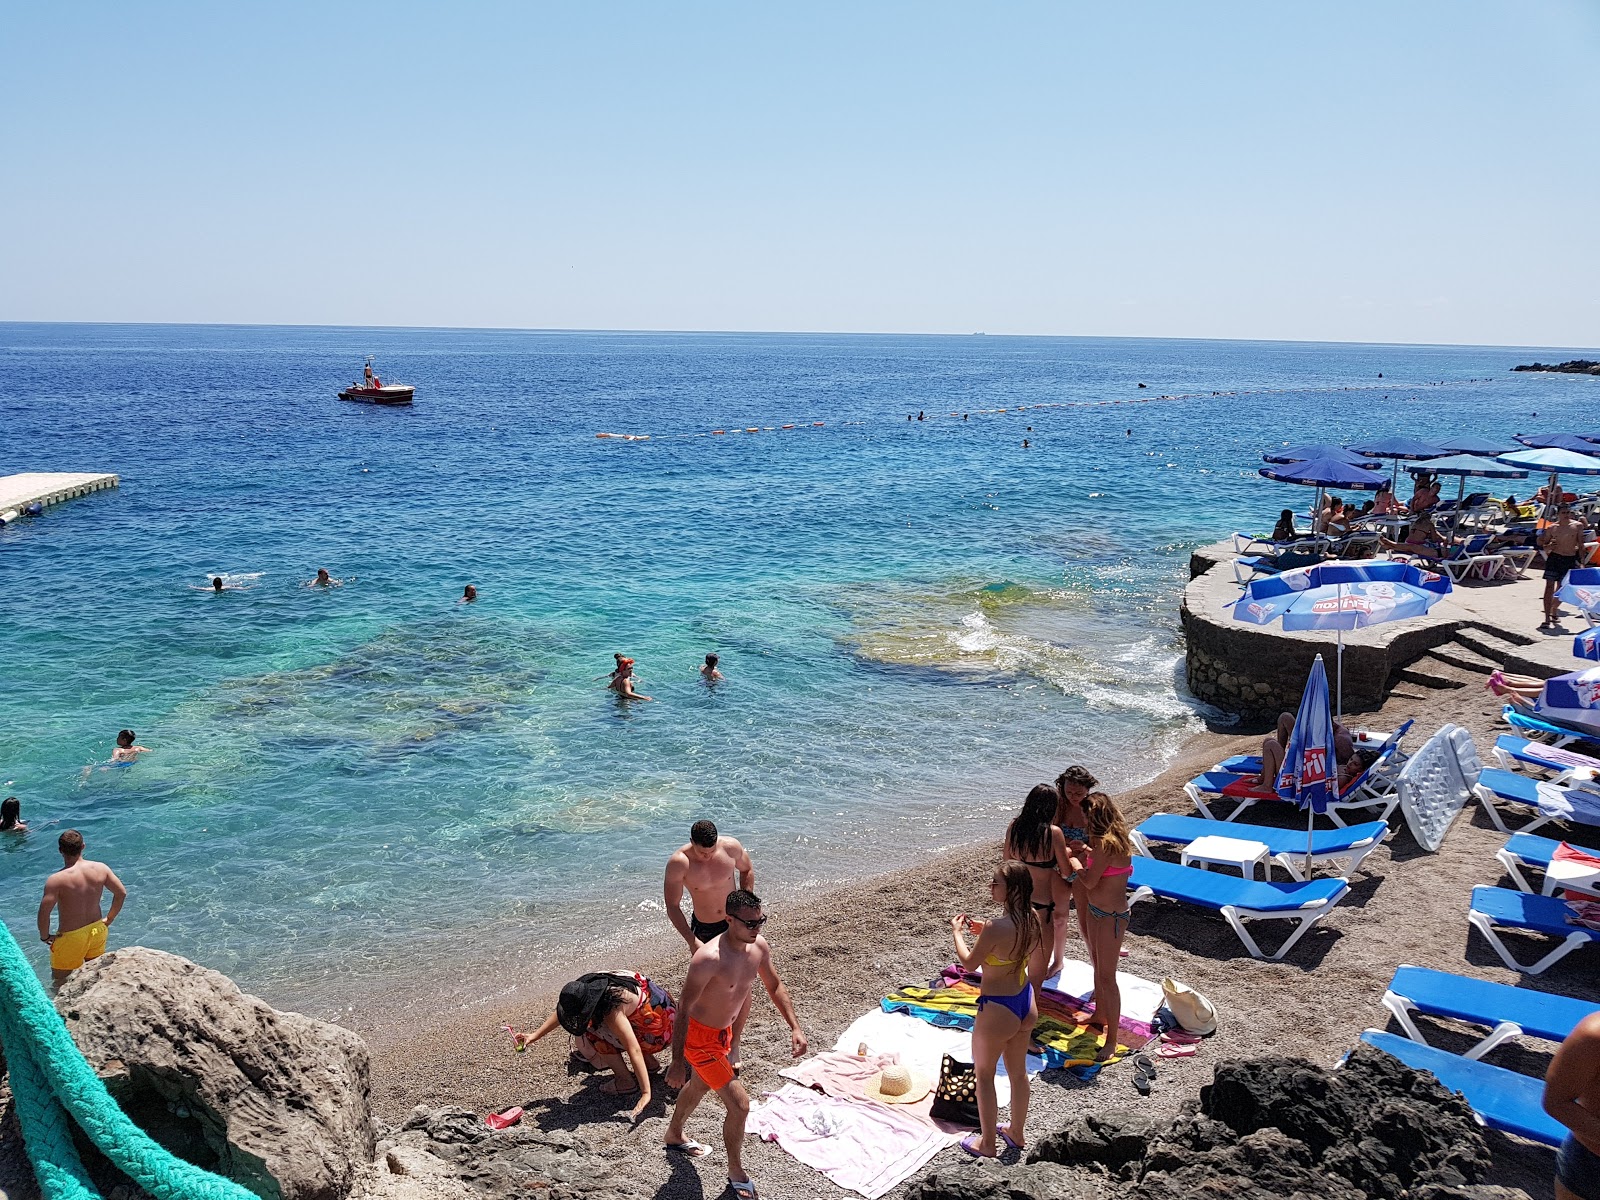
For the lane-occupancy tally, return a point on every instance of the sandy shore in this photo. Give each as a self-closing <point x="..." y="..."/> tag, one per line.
<point x="841" y="952"/>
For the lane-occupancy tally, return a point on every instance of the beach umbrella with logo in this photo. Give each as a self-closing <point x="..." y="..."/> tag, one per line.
<point x="1467" y="444"/>
<point x="1463" y="465"/>
<point x="1314" y="452"/>
<point x="1397" y="448"/>
<point x="1576" y="442"/>
<point x="1310" y="776"/>
<point x="1572" y="699"/>
<point x="1587" y="644"/>
<point x="1555" y="462"/>
<point x="1340" y="596"/>
<point x="1327" y="472"/>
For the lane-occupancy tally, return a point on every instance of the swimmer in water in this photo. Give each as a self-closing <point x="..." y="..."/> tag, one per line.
<point x="324" y="580"/>
<point x="218" y="587"/>
<point x="11" y="816"/>
<point x="622" y="682"/>
<point x="709" y="672"/>
<point x="468" y="595"/>
<point x="126" y="751"/>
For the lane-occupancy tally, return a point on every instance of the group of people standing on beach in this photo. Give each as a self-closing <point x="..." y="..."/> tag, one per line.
<point x="1068" y="850"/>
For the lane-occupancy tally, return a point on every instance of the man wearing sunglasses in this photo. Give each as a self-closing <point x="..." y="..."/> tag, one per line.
<point x="716" y="992"/>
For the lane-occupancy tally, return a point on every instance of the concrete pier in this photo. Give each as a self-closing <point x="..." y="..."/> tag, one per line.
<point x="48" y="487"/>
<point x="1259" y="671"/>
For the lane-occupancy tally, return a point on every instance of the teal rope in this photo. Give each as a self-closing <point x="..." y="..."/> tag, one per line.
<point x="52" y="1082"/>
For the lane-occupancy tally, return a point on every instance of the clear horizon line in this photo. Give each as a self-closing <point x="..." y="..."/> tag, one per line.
<point x="552" y="329"/>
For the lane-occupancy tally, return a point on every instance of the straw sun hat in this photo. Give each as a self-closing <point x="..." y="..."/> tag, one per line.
<point x="896" y="1085"/>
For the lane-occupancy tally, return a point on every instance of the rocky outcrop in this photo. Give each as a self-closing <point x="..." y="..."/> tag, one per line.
<point x="1575" y="366"/>
<point x="274" y="1100"/>
<point x="1266" y="1129"/>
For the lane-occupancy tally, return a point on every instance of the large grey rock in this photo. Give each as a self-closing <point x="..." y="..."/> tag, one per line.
<point x="274" y="1100"/>
<point x="1017" y="1181"/>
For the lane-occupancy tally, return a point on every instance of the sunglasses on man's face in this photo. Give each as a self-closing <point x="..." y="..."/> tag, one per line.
<point x="756" y="924"/>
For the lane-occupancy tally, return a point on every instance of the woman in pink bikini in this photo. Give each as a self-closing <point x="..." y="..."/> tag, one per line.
<point x="1103" y="874"/>
<point x="1006" y="1008"/>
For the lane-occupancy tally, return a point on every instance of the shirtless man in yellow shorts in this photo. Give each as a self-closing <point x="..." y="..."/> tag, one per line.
<point x="715" y="993"/>
<point x="75" y="892"/>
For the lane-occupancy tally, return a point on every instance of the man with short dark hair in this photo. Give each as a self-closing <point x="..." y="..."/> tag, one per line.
<point x="715" y="993"/>
<point x="710" y="867"/>
<point x="1562" y="544"/>
<point x="75" y="891"/>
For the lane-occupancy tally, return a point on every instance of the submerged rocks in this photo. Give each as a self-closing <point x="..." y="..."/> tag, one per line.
<point x="274" y="1100"/>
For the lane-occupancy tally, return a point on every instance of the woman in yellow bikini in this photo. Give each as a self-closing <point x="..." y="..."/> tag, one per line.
<point x="1103" y="872"/>
<point x="1006" y="1007"/>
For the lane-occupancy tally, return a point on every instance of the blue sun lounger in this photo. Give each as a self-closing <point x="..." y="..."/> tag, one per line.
<point x="1564" y="735"/>
<point x="1499" y="1098"/>
<point x="1495" y="786"/>
<point x="1541" y="756"/>
<point x="1526" y="850"/>
<point x="1238" y="900"/>
<point x="1508" y="1011"/>
<point x="1494" y="909"/>
<point x="1287" y="847"/>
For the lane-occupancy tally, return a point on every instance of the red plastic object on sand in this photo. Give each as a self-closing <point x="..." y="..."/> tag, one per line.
<point x="502" y="1120"/>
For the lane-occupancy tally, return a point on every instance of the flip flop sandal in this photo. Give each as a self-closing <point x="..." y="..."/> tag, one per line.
<point x="503" y="1120"/>
<point x="743" y="1190"/>
<point x="1144" y="1073"/>
<point x="970" y="1145"/>
<point x="1005" y="1136"/>
<point x="689" y="1149"/>
<point x="578" y="1064"/>
<point x="1176" y="1051"/>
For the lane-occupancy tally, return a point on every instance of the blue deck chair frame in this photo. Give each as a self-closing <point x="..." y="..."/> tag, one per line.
<point x="1524" y="850"/>
<point x="1345" y="847"/>
<point x="1508" y="1011"/>
<point x="1496" y="788"/>
<point x="1495" y="909"/>
<point x="1238" y="900"/>
<point x="1499" y="1098"/>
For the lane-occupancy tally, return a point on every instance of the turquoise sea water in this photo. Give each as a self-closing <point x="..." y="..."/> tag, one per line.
<point x="917" y="619"/>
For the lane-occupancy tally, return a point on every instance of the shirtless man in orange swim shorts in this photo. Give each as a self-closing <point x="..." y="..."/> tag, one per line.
<point x="75" y="892"/>
<point x="717" y="989"/>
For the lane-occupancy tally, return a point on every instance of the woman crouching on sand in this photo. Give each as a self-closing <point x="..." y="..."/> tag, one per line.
<point x="1103" y="874"/>
<point x="619" y="1021"/>
<point x="1006" y="1008"/>
<point x="1036" y="842"/>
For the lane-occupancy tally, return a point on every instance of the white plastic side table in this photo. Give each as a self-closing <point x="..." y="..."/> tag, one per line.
<point x="1226" y="852"/>
<point x="1577" y="876"/>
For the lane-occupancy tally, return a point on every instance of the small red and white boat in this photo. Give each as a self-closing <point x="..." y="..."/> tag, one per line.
<point x="372" y="390"/>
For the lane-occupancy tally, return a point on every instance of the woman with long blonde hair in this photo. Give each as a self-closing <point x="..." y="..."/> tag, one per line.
<point x="1006" y="1007"/>
<point x="1103" y="873"/>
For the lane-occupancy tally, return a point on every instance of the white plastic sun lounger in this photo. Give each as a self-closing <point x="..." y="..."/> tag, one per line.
<point x="1495" y="909"/>
<point x="1508" y="1011"/>
<point x="1523" y="850"/>
<point x="1238" y="900"/>
<point x="1548" y="800"/>
<point x="1345" y="847"/>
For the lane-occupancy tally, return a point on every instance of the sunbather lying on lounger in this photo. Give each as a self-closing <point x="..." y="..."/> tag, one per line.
<point x="1422" y="540"/>
<point x="1515" y="687"/>
<point x="1273" y="749"/>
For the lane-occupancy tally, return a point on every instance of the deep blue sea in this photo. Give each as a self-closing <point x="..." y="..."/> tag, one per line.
<point x="917" y="619"/>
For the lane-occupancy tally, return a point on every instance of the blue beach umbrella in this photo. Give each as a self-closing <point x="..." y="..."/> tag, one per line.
<point x="1467" y="444"/>
<point x="1310" y="776"/>
<point x="1555" y="462"/>
<point x="1397" y="447"/>
<point x="1314" y="452"/>
<point x="1587" y="644"/>
<point x="1327" y="472"/>
<point x="1575" y="442"/>
<point x="1573" y="699"/>
<point x="1341" y="596"/>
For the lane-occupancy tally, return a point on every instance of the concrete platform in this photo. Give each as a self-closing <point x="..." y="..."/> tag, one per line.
<point x="1261" y="670"/>
<point x="48" y="487"/>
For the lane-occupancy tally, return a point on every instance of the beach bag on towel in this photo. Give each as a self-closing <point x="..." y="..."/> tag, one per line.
<point x="956" y="1098"/>
<point x="1194" y="1013"/>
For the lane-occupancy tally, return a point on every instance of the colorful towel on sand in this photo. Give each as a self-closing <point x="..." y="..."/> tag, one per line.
<point x="1072" y="996"/>
<point x="1061" y="1032"/>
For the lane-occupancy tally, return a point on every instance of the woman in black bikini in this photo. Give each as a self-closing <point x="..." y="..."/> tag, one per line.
<point x="1073" y="787"/>
<point x="1037" y="844"/>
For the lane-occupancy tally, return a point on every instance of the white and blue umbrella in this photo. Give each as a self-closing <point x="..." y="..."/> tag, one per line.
<point x="1587" y="644"/>
<point x="1581" y="589"/>
<point x="1316" y="451"/>
<point x="1555" y="462"/>
<point x="1572" y="699"/>
<point x="1341" y="596"/>
<point x="1310" y="775"/>
<point x="1327" y="472"/>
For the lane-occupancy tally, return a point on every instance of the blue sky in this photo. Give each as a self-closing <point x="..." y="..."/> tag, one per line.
<point x="1421" y="171"/>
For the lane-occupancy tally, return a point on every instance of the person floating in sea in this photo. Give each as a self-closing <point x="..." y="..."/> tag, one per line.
<point x="126" y="752"/>
<point x="622" y="682"/>
<point x="11" y="816"/>
<point x="1562" y="543"/>
<point x="217" y="586"/>
<point x="1572" y="1096"/>
<point x="716" y="995"/>
<point x="619" y="1022"/>
<point x="324" y="580"/>
<point x="468" y="595"/>
<point x="709" y="671"/>
<point x="1006" y="1007"/>
<point x="74" y="893"/>
<point x="709" y="867"/>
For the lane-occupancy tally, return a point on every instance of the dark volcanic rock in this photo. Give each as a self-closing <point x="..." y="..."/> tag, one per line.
<point x="1021" y="1181"/>
<point x="1112" y="1140"/>
<point x="1575" y="366"/>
